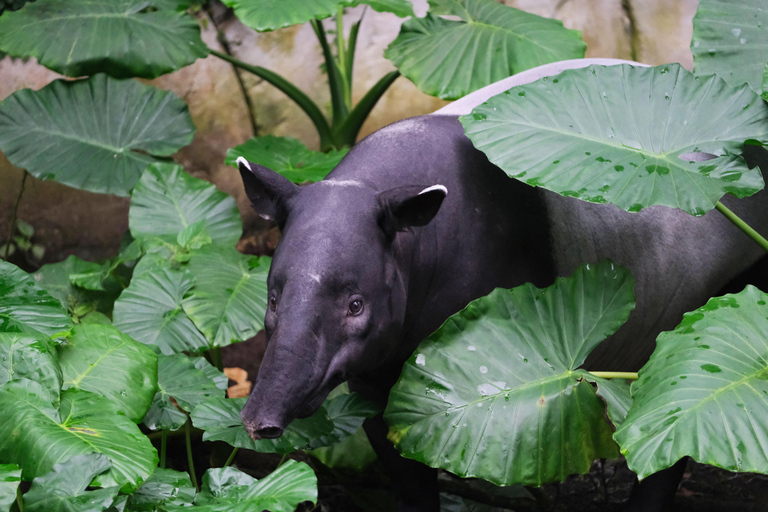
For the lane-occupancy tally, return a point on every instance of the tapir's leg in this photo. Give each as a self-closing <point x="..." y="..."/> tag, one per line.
<point x="657" y="492"/>
<point x="414" y="484"/>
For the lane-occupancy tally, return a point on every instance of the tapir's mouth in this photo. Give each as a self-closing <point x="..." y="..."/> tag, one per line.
<point x="311" y="406"/>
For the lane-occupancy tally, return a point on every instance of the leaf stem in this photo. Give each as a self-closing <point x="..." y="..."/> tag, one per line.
<point x="754" y="235"/>
<point x="190" y="462"/>
<point x="163" y="444"/>
<point x="335" y="81"/>
<point x="19" y="500"/>
<point x="12" y="227"/>
<point x="615" y="375"/>
<point x="231" y="457"/>
<point x="302" y="100"/>
<point x="346" y="132"/>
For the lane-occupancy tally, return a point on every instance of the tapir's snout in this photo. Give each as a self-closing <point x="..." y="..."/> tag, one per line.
<point x="262" y="429"/>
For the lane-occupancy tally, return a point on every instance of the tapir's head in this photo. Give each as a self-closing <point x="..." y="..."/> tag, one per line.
<point x="337" y="294"/>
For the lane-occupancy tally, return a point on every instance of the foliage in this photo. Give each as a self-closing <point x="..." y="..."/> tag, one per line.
<point x="607" y="111"/>
<point x="73" y="387"/>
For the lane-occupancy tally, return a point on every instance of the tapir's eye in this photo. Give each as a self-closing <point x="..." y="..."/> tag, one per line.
<point x="272" y="302"/>
<point x="355" y="307"/>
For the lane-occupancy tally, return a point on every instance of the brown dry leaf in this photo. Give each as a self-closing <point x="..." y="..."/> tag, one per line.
<point x="243" y="386"/>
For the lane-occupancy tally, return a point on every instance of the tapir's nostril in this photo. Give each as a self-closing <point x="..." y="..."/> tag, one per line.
<point x="269" y="432"/>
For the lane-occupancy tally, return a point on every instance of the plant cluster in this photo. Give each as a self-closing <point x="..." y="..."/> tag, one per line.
<point x="91" y="350"/>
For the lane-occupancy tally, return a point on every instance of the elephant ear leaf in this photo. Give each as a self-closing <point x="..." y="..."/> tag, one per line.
<point x="10" y="477"/>
<point x="266" y="15"/>
<point x="97" y="134"/>
<point x="118" y="37"/>
<point x="450" y="58"/>
<point x="703" y="391"/>
<point x="731" y="40"/>
<point x="64" y="488"/>
<point x="627" y="135"/>
<point x="496" y="392"/>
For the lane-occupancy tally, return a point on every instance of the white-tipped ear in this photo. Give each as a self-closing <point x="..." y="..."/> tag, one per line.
<point x="434" y="187"/>
<point x="242" y="161"/>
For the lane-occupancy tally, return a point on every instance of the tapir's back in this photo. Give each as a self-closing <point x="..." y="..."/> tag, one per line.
<point x="494" y="231"/>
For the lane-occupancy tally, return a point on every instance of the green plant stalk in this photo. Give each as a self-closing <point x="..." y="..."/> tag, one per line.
<point x="15" y="212"/>
<point x="163" y="444"/>
<point x="231" y="457"/>
<point x="190" y="462"/>
<point x="615" y="375"/>
<point x="746" y="228"/>
<point x="294" y="93"/>
<point x="342" y="59"/>
<point x="347" y="131"/>
<point x="19" y="500"/>
<point x="335" y="82"/>
<point x="352" y="45"/>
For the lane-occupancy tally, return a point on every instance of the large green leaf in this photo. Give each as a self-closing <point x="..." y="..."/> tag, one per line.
<point x="25" y="307"/>
<point x="401" y="8"/>
<point x="230" y="490"/>
<point x="220" y="419"/>
<point x="625" y="135"/>
<point x="266" y="15"/>
<point x="347" y="411"/>
<point x="10" y="476"/>
<point x="25" y="356"/>
<point x="165" y="487"/>
<point x="63" y="489"/>
<point x="150" y="311"/>
<point x="229" y="299"/>
<point x="167" y="200"/>
<point x="97" y="134"/>
<point x="449" y="59"/>
<point x="731" y="39"/>
<point x="36" y="435"/>
<point x="180" y="379"/>
<point x="704" y="391"/>
<point x="495" y="392"/>
<point x="57" y="279"/>
<point x="287" y="157"/>
<point x="101" y="359"/>
<point x="122" y="38"/>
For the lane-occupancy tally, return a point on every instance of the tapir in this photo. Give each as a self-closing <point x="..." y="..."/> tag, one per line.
<point x="412" y="225"/>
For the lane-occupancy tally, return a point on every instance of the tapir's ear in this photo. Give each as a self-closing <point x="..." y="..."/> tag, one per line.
<point x="268" y="191"/>
<point x="410" y="206"/>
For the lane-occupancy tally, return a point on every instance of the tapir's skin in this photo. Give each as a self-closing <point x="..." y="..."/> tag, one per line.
<point x="356" y="239"/>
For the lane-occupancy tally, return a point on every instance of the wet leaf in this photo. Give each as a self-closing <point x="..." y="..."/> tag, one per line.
<point x="704" y="390"/>
<point x="63" y="489"/>
<point x="83" y="423"/>
<point x="25" y="307"/>
<point x="287" y="157"/>
<point x="229" y="299"/>
<point x="220" y="419"/>
<point x="150" y="311"/>
<point x="625" y="135"/>
<point x="167" y="200"/>
<point x="10" y="476"/>
<point x="117" y="37"/>
<point x="730" y="39"/>
<point x="101" y="359"/>
<point x="25" y="356"/>
<point x="495" y="392"/>
<point x="230" y="490"/>
<point x="178" y="378"/>
<point x="491" y="41"/>
<point x="165" y="487"/>
<point x="96" y="134"/>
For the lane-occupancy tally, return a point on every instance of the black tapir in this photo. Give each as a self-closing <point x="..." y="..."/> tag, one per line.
<point x="412" y="225"/>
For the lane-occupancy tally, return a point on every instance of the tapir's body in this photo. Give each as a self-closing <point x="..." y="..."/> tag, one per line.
<point x="412" y="225"/>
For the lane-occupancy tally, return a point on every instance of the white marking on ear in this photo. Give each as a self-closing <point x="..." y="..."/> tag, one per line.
<point x="342" y="183"/>
<point x="434" y="187"/>
<point x="243" y="161"/>
<point x="265" y="216"/>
